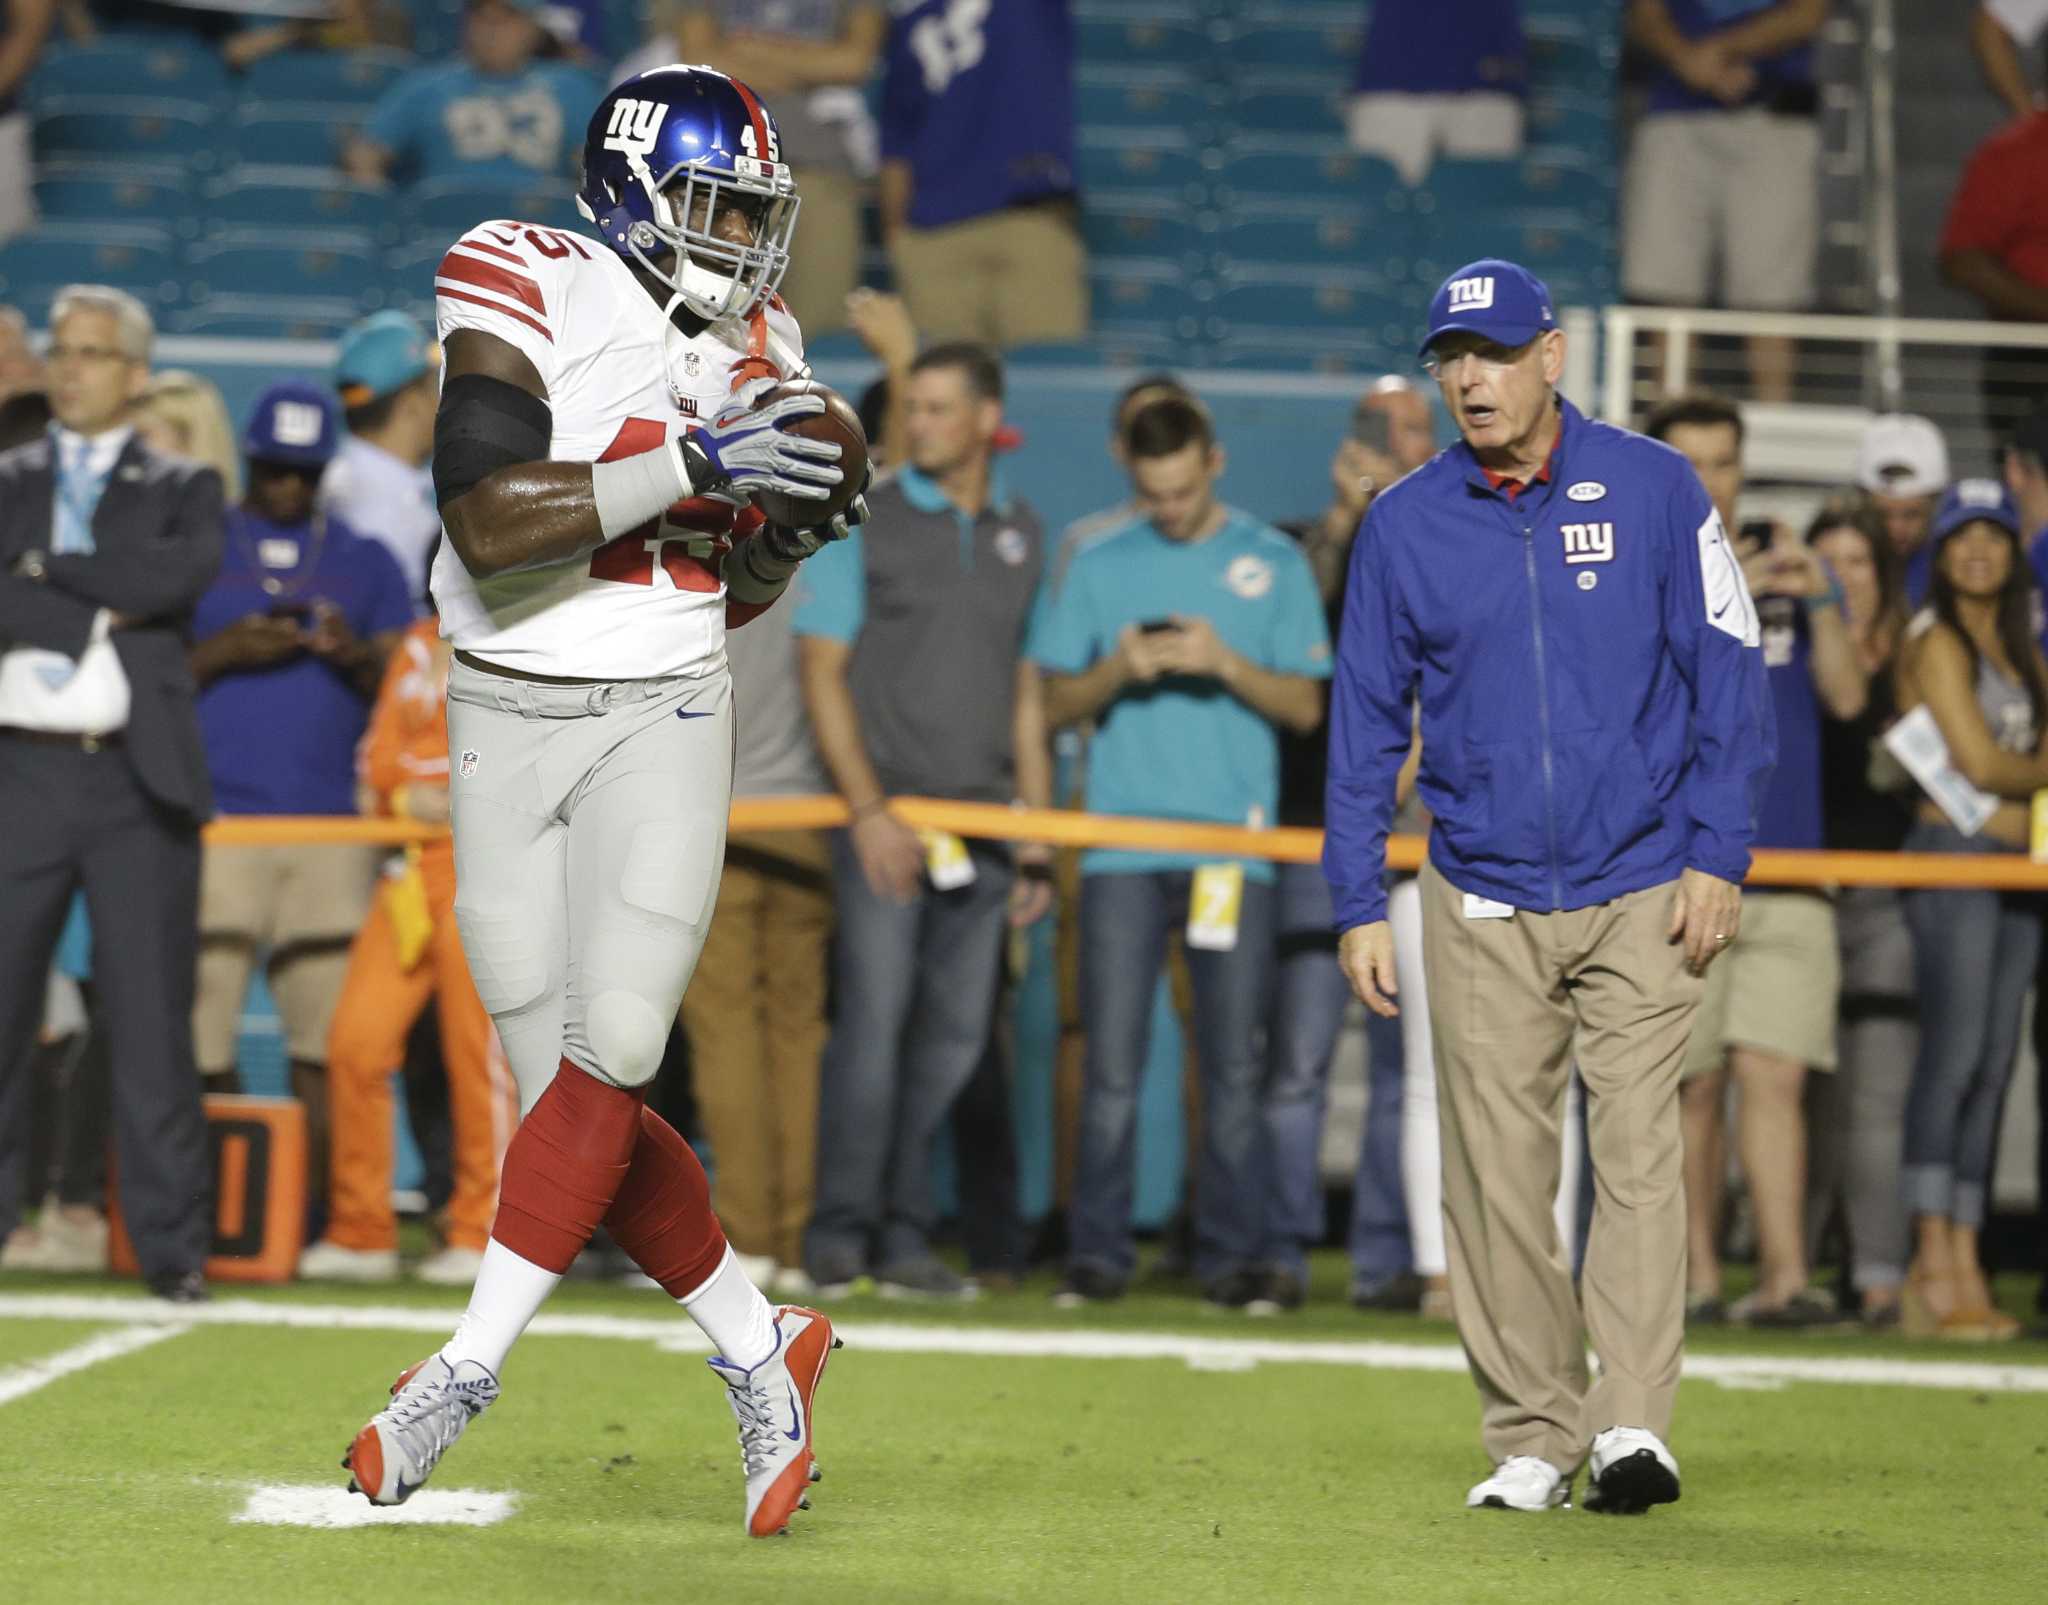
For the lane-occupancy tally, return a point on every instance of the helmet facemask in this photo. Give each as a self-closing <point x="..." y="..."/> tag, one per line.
<point x="715" y="278"/>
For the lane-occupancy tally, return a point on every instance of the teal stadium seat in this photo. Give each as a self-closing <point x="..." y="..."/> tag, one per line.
<point x="140" y="258"/>
<point x="1360" y="301"/>
<point x="84" y="191"/>
<point x="275" y="133"/>
<point x="154" y="66"/>
<point x="1305" y="167"/>
<point x="447" y="210"/>
<point x="117" y="127"/>
<point x="1141" y="97"/>
<point x="1141" y="32"/>
<point x="1161" y="159"/>
<point x="330" y="264"/>
<point x="1155" y="293"/>
<point x="1300" y="34"/>
<point x="1143" y="223"/>
<point x="1139" y="343"/>
<point x="1576" y="121"/>
<point x="298" y="198"/>
<point x="332" y="76"/>
<point x="1299" y="351"/>
<point x="266" y="317"/>
<point x="1319" y="233"/>
<point x="1290" y="101"/>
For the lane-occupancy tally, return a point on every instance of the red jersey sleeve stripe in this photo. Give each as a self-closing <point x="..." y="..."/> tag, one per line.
<point x="485" y="276"/>
<point x="492" y="250"/>
<point x="498" y="307"/>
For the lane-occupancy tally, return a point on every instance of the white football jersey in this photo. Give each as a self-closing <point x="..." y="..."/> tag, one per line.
<point x="652" y="602"/>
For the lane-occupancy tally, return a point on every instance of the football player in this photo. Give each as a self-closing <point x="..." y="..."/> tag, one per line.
<point x="597" y="441"/>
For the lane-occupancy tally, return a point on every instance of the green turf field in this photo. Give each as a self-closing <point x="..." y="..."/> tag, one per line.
<point x="1197" y="1475"/>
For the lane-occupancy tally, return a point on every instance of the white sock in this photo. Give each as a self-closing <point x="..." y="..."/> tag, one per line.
<point x="508" y="1294"/>
<point x="733" y="1314"/>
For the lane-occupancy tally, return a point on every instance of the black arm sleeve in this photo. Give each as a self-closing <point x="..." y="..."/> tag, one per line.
<point x="485" y="424"/>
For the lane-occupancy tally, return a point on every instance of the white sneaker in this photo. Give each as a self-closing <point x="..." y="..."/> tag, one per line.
<point x="1631" y="1471"/>
<point x="772" y="1404"/>
<point x="452" y="1267"/>
<point x="1522" y="1482"/>
<point x="330" y="1262"/>
<point x="69" y="1244"/>
<point x="393" y="1456"/>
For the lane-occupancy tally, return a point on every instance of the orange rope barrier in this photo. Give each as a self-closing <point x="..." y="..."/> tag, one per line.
<point x="1063" y="827"/>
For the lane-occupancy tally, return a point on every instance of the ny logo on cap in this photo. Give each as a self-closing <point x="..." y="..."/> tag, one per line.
<point x="296" y="423"/>
<point x="1471" y="295"/>
<point x="635" y="126"/>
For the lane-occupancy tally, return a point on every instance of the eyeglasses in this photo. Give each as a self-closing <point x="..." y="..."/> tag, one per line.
<point x="1491" y="356"/>
<point x="64" y="353"/>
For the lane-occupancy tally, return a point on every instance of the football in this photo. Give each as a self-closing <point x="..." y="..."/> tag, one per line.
<point x="838" y="423"/>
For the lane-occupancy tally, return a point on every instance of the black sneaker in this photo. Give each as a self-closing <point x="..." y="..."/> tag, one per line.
<point x="1401" y="1294"/>
<point x="1804" y="1310"/>
<point x="1703" y="1309"/>
<point x="1236" y="1291"/>
<point x="1280" y="1293"/>
<point x="180" y="1287"/>
<point x="1085" y="1284"/>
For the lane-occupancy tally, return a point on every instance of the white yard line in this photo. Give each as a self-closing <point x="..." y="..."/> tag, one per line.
<point x="283" y="1504"/>
<point x="674" y="1332"/>
<point x="18" y="1381"/>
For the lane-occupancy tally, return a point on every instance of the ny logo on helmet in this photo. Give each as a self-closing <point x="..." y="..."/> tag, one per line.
<point x="1471" y="295"/>
<point x="635" y="126"/>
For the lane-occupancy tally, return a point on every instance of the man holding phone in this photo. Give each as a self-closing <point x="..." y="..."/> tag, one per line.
<point x="1188" y="633"/>
<point x="1768" y="1014"/>
<point x="292" y="639"/>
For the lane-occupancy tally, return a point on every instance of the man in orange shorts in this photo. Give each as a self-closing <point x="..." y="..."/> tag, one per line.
<point x="407" y="952"/>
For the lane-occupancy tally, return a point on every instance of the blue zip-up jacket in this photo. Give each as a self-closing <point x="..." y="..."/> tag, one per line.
<point x="1595" y="713"/>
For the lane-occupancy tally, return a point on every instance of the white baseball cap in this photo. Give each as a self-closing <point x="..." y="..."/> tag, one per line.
<point x="1902" y="454"/>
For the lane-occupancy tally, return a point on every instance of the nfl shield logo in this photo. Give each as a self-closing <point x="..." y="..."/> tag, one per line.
<point x="467" y="767"/>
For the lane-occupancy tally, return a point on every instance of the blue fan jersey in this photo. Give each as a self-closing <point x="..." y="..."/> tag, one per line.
<point x="978" y="97"/>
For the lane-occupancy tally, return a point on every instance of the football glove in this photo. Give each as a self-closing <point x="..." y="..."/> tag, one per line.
<point x="794" y="545"/>
<point x="742" y="451"/>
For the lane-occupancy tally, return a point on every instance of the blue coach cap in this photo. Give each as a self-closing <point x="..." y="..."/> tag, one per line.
<point x="384" y="353"/>
<point x="1493" y="298"/>
<point x="1968" y="500"/>
<point x="293" y="422"/>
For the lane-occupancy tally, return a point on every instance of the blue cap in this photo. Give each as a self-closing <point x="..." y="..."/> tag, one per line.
<point x="1968" y="500"/>
<point x="1493" y="298"/>
<point x="385" y="352"/>
<point x="293" y="422"/>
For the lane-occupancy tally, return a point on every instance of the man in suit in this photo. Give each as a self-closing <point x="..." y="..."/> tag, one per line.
<point x="104" y="548"/>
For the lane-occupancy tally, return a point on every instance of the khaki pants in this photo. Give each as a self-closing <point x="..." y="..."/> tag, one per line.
<point x="756" y="1018"/>
<point x="1512" y="1003"/>
<point x="825" y="265"/>
<point x="1011" y="278"/>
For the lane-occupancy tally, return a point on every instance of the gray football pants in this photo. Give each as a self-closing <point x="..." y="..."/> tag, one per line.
<point x="589" y="832"/>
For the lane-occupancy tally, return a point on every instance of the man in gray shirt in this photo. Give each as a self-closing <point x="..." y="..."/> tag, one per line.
<point x="911" y="635"/>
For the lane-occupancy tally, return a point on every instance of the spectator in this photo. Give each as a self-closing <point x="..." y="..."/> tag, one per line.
<point x="1999" y="31"/>
<point x="500" y="117"/>
<point x="883" y="324"/>
<point x="1994" y="248"/>
<point x="810" y="60"/>
<point x="1768" y="1013"/>
<point x="1439" y="79"/>
<point x="1726" y="165"/>
<point x="408" y="953"/>
<point x="388" y="377"/>
<point x="182" y="415"/>
<point x="1856" y="1117"/>
<point x="942" y="573"/>
<point x="977" y="184"/>
<point x="292" y="640"/>
<point x="1975" y="667"/>
<point x="1902" y="465"/>
<point x="1188" y="635"/>
<point x="22" y="38"/>
<point x="1392" y="432"/>
<point x="21" y="370"/>
<point x="348" y="25"/>
<point x="104" y="548"/>
<point x="756" y="1010"/>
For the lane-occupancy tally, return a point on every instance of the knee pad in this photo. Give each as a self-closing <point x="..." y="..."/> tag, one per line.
<point x="627" y="1037"/>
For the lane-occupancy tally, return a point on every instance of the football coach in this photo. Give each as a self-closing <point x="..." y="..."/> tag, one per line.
<point x="1560" y="598"/>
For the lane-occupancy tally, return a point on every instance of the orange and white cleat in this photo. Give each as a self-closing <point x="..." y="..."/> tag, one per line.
<point x="392" y="1457"/>
<point x="772" y="1404"/>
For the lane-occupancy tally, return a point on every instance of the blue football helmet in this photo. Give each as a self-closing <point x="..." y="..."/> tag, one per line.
<point x="665" y="151"/>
